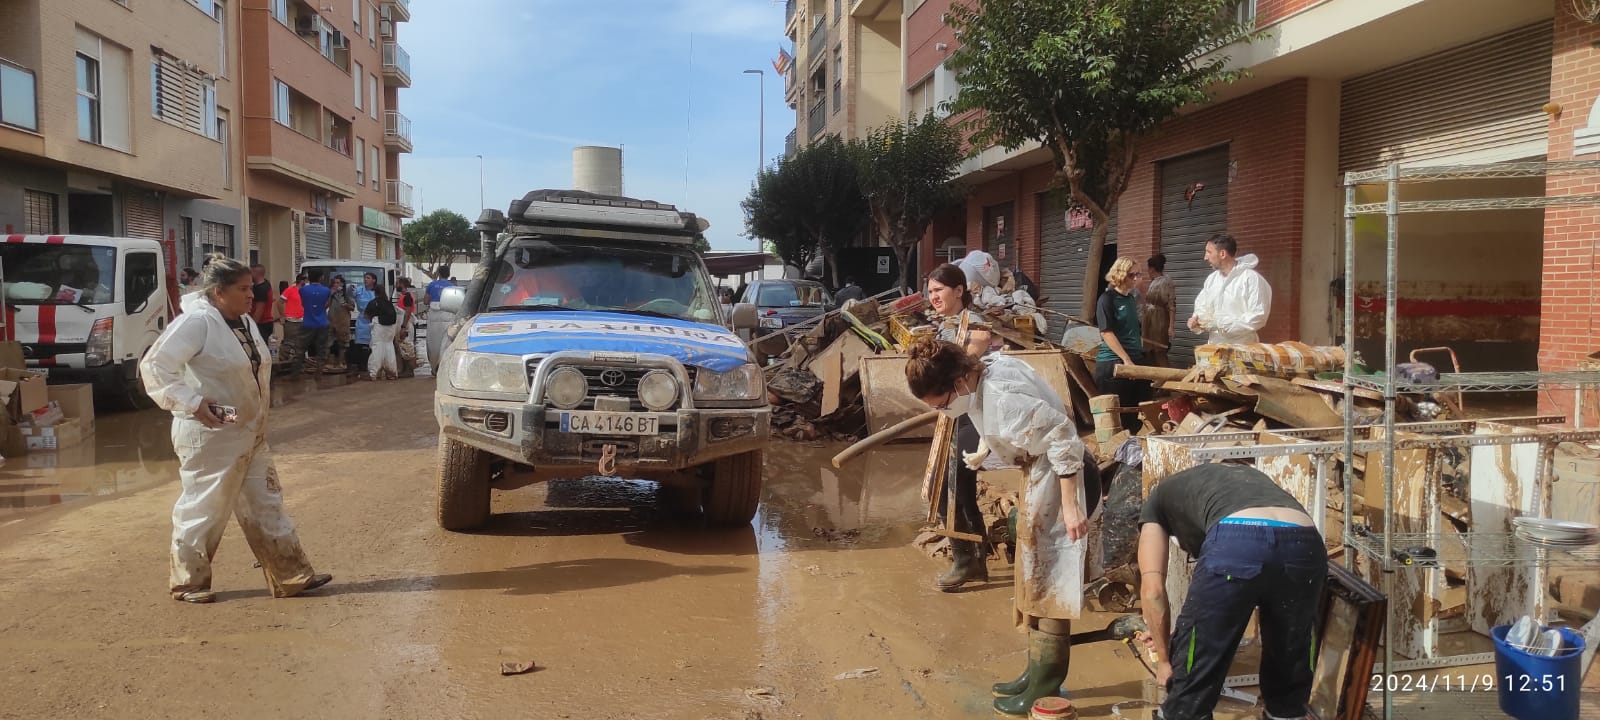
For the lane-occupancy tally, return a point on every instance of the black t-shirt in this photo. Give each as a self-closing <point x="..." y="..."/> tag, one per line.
<point x="262" y="291"/>
<point x="1187" y="504"/>
<point x="382" y="311"/>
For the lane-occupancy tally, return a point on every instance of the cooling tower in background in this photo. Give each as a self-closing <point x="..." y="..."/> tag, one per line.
<point x="597" y="169"/>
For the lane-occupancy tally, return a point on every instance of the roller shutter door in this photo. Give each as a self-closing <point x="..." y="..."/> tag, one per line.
<point x="1479" y="102"/>
<point x="1194" y="206"/>
<point x="319" y="237"/>
<point x="141" y="214"/>
<point x="369" y="247"/>
<point x="1063" y="255"/>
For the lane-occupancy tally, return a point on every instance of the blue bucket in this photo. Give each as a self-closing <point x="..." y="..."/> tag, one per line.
<point x="1534" y="687"/>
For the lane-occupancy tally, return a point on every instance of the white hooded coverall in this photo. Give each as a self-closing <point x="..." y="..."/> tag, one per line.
<point x="227" y="469"/>
<point x="1023" y="420"/>
<point x="1234" y="306"/>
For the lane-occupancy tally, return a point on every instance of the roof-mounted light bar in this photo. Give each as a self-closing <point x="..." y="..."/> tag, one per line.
<point x="603" y="213"/>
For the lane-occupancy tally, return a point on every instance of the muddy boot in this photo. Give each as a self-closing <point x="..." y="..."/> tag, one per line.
<point x="1048" y="656"/>
<point x="968" y="565"/>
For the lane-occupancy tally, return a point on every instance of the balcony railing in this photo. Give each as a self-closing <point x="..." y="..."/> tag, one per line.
<point x="817" y="119"/>
<point x="19" y="97"/>
<point x="396" y="131"/>
<point x="397" y="198"/>
<point x="396" y="65"/>
<point x="838" y="95"/>
<point x="788" y="11"/>
<point x="397" y="10"/>
<point x="790" y="144"/>
<point x="816" y="43"/>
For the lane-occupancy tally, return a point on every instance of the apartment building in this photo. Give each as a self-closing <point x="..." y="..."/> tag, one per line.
<point x="119" y="117"/>
<point x="845" y="76"/>
<point x="1336" y="86"/>
<point x="323" y="133"/>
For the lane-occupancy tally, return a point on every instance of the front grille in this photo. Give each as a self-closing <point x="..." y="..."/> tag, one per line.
<point x="620" y="382"/>
<point x="39" y="351"/>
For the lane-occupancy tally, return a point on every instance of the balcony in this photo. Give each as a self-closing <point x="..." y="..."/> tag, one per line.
<point x="791" y="83"/>
<point x="817" y="119"/>
<point x="397" y="10"/>
<point x="816" y="43"/>
<point x="19" y="97"/>
<point x="790" y="144"/>
<point x="396" y="65"/>
<point x="396" y="132"/>
<point x="397" y="198"/>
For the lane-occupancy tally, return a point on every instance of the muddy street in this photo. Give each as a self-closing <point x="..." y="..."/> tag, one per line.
<point x="627" y="609"/>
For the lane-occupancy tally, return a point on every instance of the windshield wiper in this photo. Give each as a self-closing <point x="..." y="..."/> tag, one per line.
<point x="527" y="308"/>
<point x="646" y="313"/>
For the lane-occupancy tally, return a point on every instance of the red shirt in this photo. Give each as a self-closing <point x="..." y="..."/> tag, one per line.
<point x="291" y="304"/>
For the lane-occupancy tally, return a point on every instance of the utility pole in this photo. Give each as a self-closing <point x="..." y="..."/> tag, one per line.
<point x="761" y="127"/>
<point x="481" y="206"/>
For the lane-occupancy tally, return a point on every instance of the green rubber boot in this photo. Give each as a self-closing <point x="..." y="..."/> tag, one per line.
<point x="1015" y="687"/>
<point x="1048" y="657"/>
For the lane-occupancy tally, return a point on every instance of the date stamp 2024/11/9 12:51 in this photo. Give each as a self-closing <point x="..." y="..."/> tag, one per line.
<point x="1480" y="682"/>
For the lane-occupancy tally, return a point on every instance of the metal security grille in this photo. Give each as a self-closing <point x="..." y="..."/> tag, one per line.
<point x="319" y="237"/>
<point x="39" y="215"/>
<point x="1194" y="206"/>
<point x="1473" y="100"/>
<point x="216" y="237"/>
<point x="1064" y="253"/>
<point x="141" y="214"/>
<point x="369" y="247"/>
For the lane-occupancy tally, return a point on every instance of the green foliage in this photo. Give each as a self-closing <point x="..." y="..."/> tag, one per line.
<point x="435" y="240"/>
<point x="701" y="244"/>
<point x="807" y="203"/>
<point x="906" y="169"/>
<point x="1085" y="78"/>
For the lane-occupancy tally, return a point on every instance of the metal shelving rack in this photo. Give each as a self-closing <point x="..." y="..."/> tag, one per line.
<point x="1489" y="548"/>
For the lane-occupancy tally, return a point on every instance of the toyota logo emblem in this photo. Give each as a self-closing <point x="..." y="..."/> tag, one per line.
<point x="612" y="378"/>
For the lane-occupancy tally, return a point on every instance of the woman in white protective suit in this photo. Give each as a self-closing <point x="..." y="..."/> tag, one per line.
<point x="211" y="369"/>
<point x="1020" y="417"/>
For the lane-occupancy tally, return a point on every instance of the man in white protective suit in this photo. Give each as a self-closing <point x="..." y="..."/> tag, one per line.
<point x="1022" y="419"/>
<point x="1236" y="301"/>
<point x="211" y="369"/>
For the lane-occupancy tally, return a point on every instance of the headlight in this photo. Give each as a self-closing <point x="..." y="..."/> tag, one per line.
<point x="98" y="351"/>
<point x="741" y="383"/>
<point x="772" y="323"/>
<point x="488" y="372"/>
<point x="566" y="388"/>
<point x="658" y="390"/>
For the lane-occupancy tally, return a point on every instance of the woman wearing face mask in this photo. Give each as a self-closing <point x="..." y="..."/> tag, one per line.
<point x="1020" y="417"/>
<point x="950" y="298"/>
<point x="212" y="371"/>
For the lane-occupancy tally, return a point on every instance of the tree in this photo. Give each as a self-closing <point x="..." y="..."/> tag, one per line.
<point x="906" y="171"/>
<point x="435" y="240"/>
<point x="808" y="203"/>
<point x="1086" y="78"/>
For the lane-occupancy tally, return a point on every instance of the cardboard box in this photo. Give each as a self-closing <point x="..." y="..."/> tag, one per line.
<point x="11" y="355"/>
<point x="76" y="401"/>
<point x="67" y="434"/>
<point x="12" y="444"/>
<point x="25" y="389"/>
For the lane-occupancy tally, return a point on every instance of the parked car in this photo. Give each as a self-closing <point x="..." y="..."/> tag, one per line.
<point x="782" y="305"/>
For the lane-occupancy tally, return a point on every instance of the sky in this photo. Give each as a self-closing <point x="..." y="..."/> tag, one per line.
<point x="523" y="82"/>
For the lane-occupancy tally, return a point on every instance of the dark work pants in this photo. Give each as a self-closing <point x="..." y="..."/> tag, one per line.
<point x="969" y="518"/>
<point x="1241" y="568"/>
<point x="1129" y="392"/>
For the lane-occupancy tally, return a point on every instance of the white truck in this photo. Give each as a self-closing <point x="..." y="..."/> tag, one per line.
<point x="86" y="308"/>
<point x="590" y="341"/>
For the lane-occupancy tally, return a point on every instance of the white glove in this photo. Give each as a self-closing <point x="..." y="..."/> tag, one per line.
<point x="974" y="459"/>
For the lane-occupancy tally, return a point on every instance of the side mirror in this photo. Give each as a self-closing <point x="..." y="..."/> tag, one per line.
<point x="453" y="298"/>
<point x="744" y="316"/>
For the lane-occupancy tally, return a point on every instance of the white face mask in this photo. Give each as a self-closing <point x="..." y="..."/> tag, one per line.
<point x="958" y="406"/>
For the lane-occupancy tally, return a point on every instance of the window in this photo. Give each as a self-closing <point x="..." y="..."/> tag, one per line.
<point x="372" y="164"/>
<point x="88" y="99"/>
<point x="838" y="78"/>
<point x="206" y="6"/>
<point x="945" y="89"/>
<point x="361" y="162"/>
<point x="142" y="278"/>
<point x="921" y="99"/>
<point x="208" y="108"/>
<point x="39" y="213"/>
<point x="355" y="16"/>
<point x="216" y="237"/>
<point x="102" y="75"/>
<point x="182" y="95"/>
<point x="372" y="25"/>
<point x="372" y="92"/>
<point x="18" y="90"/>
<point x="280" y="10"/>
<point x="359" y="76"/>
<point x="222" y="38"/>
<point x="227" y="149"/>
<point x="280" y="103"/>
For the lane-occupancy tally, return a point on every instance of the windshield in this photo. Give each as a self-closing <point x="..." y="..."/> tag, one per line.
<point x="573" y="276"/>
<point x="352" y="274"/>
<point x="796" y="294"/>
<point x="39" y="274"/>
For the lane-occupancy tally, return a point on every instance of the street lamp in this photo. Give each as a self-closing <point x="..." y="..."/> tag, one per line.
<point x="481" y="206"/>
<point x="761" y="113"/>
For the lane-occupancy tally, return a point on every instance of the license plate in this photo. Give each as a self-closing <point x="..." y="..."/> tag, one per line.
<point x="609" y="423"/>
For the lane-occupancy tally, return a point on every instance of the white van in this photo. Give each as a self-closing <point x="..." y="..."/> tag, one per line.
<point x="86" y="308"/>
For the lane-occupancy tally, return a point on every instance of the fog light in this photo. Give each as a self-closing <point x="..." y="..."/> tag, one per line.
<point x="658" y="390"/>
<point x="566" y="388"/>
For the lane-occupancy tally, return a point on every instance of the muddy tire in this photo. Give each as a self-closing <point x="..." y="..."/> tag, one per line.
<point x="734" y="490"/>
<point x="463" y="486"/>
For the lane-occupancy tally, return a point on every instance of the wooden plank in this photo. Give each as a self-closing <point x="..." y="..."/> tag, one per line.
<point x="1082" y="386"/>
<point x="850" y="347"/>
<point x="1503" y="485"/>
<point x="937" y="465"/>
<point x="830" y="370"/>
<point x="1209" y="390"/>
<point x="1290" y="404"/>
<point x="1153" y="374"/>
<point x="1335" y="387"/>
